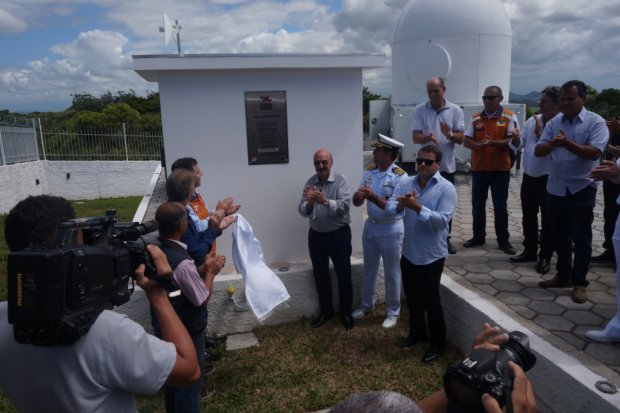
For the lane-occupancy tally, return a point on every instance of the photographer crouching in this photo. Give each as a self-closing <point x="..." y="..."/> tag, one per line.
<point x="112" y="356"/>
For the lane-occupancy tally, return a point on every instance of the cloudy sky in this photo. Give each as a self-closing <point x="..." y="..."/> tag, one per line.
<point x="51" y="49"/>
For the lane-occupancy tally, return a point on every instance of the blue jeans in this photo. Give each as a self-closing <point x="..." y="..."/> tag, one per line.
<point x="498" y="181"/>
<point x="571" y="219"/>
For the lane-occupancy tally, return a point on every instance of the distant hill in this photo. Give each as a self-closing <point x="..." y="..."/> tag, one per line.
<point x="531" y="99"/>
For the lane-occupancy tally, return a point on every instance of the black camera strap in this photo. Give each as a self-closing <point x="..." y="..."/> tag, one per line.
<point x="508" y="395"/>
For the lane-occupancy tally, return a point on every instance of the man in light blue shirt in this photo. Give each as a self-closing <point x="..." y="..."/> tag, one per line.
<point x="429" y="200"/>
<point x="574" y="140"/>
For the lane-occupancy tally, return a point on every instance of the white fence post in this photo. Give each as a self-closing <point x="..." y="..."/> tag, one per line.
<point x="125" y="138"/>
<point x="2" y="149"/>
<point x="42" y="139"/>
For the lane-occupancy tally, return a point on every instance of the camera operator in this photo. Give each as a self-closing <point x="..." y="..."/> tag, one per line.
<point x="115" y="358"/>
<point x="523" y="400"/>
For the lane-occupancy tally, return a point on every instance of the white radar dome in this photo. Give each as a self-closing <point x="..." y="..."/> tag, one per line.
<point x="467" y="42"/>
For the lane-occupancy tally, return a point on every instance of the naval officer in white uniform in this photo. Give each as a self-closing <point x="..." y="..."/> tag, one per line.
<point x="383" y="232"/>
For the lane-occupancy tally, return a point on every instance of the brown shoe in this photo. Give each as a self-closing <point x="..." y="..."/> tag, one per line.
<point x="580" y="295"/>
<point x="555" y="282"/>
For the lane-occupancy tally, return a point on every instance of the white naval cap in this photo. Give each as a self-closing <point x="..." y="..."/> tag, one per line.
<point x="386" y="142"/>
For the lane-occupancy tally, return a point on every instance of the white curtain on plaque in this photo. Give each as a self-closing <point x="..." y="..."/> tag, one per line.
<point x="264" y="291"/>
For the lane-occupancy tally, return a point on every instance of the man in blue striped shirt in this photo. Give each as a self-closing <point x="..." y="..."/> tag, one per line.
<point x="429" y="200"/>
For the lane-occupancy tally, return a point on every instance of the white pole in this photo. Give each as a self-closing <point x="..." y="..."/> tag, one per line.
<point x="125" y="138"/>
<point x="42" y="139"/>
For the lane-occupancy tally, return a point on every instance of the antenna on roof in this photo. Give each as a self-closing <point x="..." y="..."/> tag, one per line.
<point x="169" y="30"/>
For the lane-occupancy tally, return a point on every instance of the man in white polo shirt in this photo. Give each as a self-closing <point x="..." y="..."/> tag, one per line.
<point x="440" y="123"/>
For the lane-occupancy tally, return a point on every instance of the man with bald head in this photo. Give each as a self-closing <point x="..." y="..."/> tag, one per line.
<point x="439" y="123"/>
<point x="326" y="201"/>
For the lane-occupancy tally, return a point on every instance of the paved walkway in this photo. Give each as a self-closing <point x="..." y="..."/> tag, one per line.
<point x="516" y="285"/>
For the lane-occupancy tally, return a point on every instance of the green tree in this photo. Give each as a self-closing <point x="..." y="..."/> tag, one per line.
<point x="606" y="103"/>
<point x="118" y="113"/>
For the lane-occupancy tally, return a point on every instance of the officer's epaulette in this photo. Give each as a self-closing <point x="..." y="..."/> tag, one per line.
<point x="371" y="166"/>
<point x="398" y="170"/>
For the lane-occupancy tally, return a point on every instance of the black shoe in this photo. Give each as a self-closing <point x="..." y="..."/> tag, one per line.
<point x="347" y="321"/>
<point x="407" y="342"/>
<point x="431" y="355"/>
<point x="213" y="342"/>
<point x="605" y="257"/>
<point x="507" y="248"/>
<point x="451" y="249"/>
<point x="212" y="357"/>
<point x="543" y="266"/>
<point x="320" y="320"/>
<point x="525" y="256"/>
<point x="473" y="243"/>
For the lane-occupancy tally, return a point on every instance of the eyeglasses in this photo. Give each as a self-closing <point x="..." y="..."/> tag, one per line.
<point x="427" y="162"/>
<point x="489" y="97"/>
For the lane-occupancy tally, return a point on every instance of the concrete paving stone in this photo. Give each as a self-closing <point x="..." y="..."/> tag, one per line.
<point x="573" y="340"/>
<point x="566" y="301"/>
<point x="477" y="267"/>
<point x="600" y="270"/>
<point x="504" y="274"/>
<point x="601" y="297"/>
<point x="240" y="341"/>
<point x="537" y="293"/>
<point x="479" y="278"/>
<point x="607" y="353"/>
<point x="501" y="265"/>
<point x="475" y="259"/>
<point x="531" y="271"/>
<point x="459" y="270"/>
<point x="546" y="307"/>
<point x="487" y="289"/>
<point x="510" y="286"/>
<point x="581" y="317"/>
<point x="511" y="298"/>
<point x="607" y="311"/>
<point x="524" y="311"/>
<point x="554" y="322"/>
<point x="608" y="280"/>
<point x="531" y="281"/>
<point x="597" y="286"/>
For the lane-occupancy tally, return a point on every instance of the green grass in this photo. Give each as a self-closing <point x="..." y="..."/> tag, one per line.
<point x="297" y="368"/>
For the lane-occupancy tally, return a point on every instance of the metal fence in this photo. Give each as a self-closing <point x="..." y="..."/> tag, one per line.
<point x="100" y="145"/>
<point x="24" y="140"/>
<point x="17" y="140"/>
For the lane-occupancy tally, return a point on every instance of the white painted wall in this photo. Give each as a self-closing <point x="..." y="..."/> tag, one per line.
<point x="87" y="179"/>
<point x="203" y="115"/>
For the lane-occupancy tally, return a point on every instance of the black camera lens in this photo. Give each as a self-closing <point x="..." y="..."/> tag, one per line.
<point x="517" y="349"/>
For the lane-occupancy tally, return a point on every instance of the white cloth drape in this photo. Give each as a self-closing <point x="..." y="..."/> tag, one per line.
<point x="263" y="289"/>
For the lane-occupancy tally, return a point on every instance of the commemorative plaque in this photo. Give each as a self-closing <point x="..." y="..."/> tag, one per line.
<point x="267" y="131"/>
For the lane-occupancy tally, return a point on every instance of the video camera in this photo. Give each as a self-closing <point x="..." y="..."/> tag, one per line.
<point x="56" y="291"/>
<point x="486" y="371"/>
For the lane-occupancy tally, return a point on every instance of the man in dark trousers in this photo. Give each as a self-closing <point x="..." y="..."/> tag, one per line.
<point x="326" y="201"/>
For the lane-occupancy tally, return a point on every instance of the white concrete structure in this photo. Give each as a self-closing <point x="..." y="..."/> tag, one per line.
<point x="203" y="116"/>
<point x="73" y="179"/>
<point x="466" y="42"/>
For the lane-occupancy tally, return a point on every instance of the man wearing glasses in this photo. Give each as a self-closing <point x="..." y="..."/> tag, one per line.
<point x="429" y="200"/>
<point x="440" y="123"/>
<point x="487" y="135"/>
<point x="326" y="201"/>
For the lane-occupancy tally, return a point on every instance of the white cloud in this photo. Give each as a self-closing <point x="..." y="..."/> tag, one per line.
<point x="10" y="23"/>
<point x="553" y="40"/>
